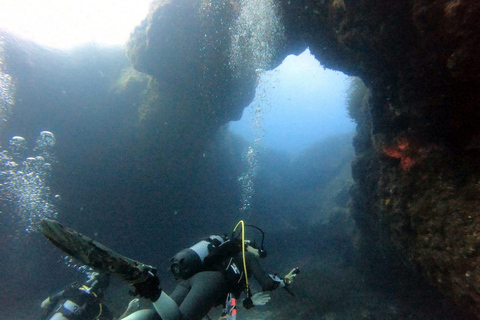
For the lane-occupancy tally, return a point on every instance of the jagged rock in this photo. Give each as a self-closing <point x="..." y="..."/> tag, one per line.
<point x="416" y="165"/>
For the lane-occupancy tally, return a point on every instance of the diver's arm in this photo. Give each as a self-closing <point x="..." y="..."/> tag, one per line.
<point x="256" y="270"/>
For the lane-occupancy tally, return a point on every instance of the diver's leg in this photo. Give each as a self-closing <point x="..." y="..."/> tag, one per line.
<point x="145" y="314"/>
<point x="181" y="291"/>
<point x="195" y="297"/>
<point x="206" y="288"/>
<point x="167" y="305"/>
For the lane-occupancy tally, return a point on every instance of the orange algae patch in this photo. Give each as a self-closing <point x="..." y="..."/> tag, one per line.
<point x="400" y="151"/>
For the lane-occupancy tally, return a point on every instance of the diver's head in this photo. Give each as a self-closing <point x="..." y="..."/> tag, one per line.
<point x="98" y="283"/>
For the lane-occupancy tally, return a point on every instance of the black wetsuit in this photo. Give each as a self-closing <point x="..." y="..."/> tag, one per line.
<point x="196" y="295"/>
<point x="255" y="270"/>
<point x="90" y="306"/>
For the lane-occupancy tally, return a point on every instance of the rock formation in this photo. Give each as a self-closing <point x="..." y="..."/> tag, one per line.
<point x="417" y="147"/>
<point x="416" y="165"/>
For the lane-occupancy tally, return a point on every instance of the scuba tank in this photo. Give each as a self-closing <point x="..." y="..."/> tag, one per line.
<point x="203" y="255"/>
<point x="68" y="310"/>
<point x="210" y="251"/>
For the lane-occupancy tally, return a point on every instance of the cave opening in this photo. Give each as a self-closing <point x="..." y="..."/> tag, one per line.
<point x="296" y="104"/>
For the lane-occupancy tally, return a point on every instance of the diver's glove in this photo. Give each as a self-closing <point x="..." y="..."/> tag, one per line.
<point x="288" y="279"/>
<point x="47" y="307"/>
<point x="46" y="303"/>
<point x="148" y="288"/>
<point x="260" y="298"/>
<point x="277" y="279"/>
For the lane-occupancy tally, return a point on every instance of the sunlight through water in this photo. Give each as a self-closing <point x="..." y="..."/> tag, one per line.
<point x="66" y="24"/>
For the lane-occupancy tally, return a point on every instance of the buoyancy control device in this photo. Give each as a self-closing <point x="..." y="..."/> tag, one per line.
<point x="202" y="255"/>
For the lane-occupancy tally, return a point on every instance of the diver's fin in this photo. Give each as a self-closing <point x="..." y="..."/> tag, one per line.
<point x="96" y="255"/>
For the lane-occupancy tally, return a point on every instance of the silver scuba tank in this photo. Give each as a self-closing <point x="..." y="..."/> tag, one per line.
<point x="68" y="307"/>
<point x="189" y="261"/>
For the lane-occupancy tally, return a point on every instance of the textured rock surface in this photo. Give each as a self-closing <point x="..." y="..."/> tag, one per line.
<point x="184" y="45"/>
<point x="416" y="166"/>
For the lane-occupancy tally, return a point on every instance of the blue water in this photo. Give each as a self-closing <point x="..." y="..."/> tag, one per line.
<point x="299" y="102"/>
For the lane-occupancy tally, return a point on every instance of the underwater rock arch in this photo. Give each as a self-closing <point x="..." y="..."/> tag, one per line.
<point x="417" y="144"/>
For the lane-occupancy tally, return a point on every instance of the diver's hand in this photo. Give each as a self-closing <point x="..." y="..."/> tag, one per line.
<point x="133" y="305"/>
<point x="288" y="279"/>
<point x="148" y="288"/>
<point x="260" y="298"/>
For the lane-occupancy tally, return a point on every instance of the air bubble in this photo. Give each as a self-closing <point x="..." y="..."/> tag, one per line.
<point x="256" y="35"/>
<point x="46" y="140"/>
<point x="47" y="168"/>
<point x="247" y="179"/>
<point x="44" y="146"/>
<point x="18" y="148"/>
<point x="18" y="141"/>
<point x="24" y="181"/>
<point x="7" y="89"/>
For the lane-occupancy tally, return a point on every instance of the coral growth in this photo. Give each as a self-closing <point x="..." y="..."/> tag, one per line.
<point x="401" y="150"/>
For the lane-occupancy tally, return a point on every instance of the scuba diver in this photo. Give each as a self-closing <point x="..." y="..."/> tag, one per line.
<point x="83" y="302"/>
<point x="214" y="271"/>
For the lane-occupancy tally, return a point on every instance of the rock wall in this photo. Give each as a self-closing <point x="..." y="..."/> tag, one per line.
<point x="416" y="166"/>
